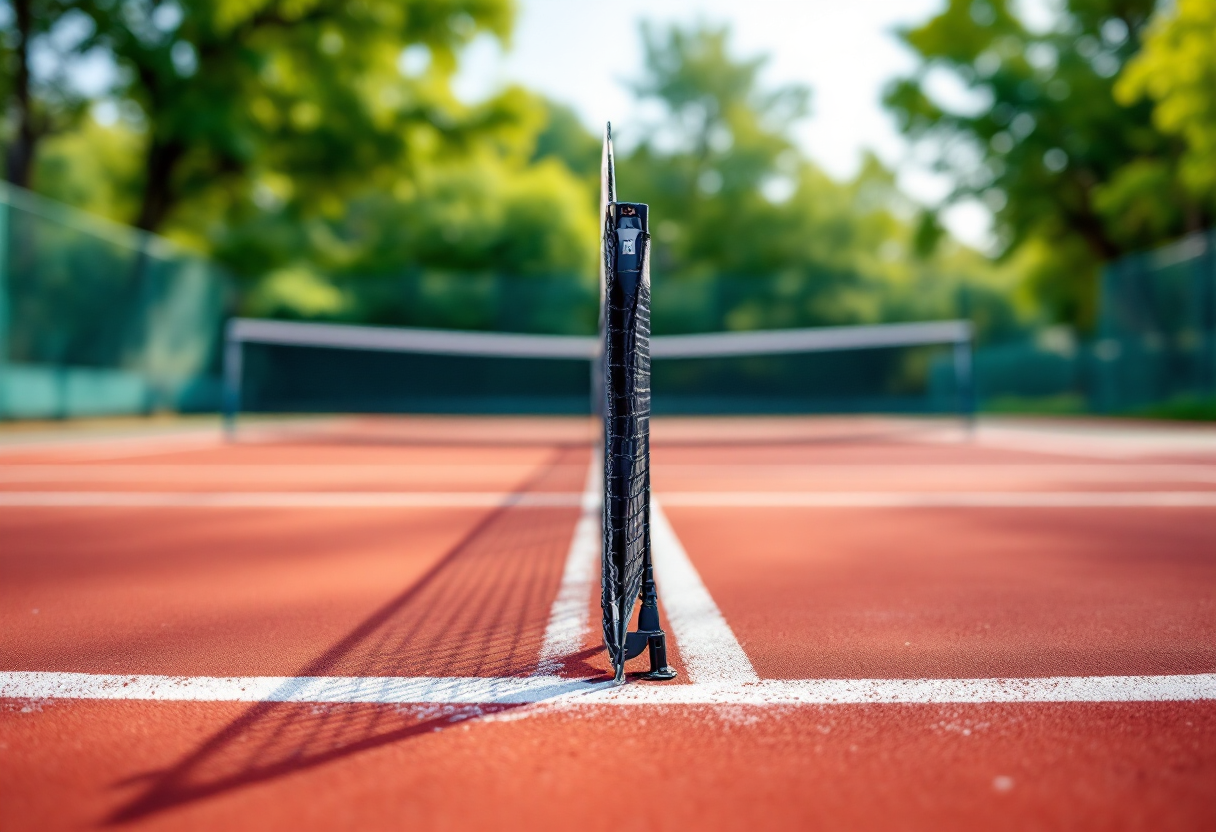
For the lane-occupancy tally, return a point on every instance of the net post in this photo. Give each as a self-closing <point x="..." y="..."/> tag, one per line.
<point x="233" y="370"/>
<point x="624" y="384"/>
<point x="649" y="628"/>
<point x="964" y="375"/>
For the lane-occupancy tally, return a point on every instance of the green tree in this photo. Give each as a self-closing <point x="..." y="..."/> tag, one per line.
<point x="1177" y="70"/>
<point x="1044" y="142"/>
<point x="723" y="139"/>
<point x="452" y="221"/>
<point x="566" y="139"/>
<point x="751" y="234"/>
<point x="316" y="148"/>
<point x="37" y="105"/>
<point x="274" y="99"/>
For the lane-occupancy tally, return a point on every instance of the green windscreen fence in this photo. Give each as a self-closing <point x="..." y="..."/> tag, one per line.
<point x="97" y="318"/>
<point x="1157" y="340"/>
<point x="1153" y="351"/>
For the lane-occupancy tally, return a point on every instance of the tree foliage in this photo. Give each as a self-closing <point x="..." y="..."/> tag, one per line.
<point x="745" y="220"/>
<point x="1042" y="139"/>
<point x="1177" y="71"/>
<point x="36" y="105"/>
<point x="241" y="96"/>
<point x="316" y="148"/>
<point x="316" y="145"/>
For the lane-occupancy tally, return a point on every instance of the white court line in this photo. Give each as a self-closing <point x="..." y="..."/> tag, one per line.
<point x="793" y="474"/>
<point x="1108" y="472"/>
<point x="716" y="663"/>
<point x="117" y="447"/>
<point x="683" y="499"/>
<point x="941" y="499"/>
<point x="704" y="640"/>
<point x="246" y="474"/>
<point x="556" y="690"/>
<point x="708" y="647"/>
<point x="123" y="445"/>
<point x="570" y="615"/>
<point x="1088" y="440"/>
<point x="286" y="499"/>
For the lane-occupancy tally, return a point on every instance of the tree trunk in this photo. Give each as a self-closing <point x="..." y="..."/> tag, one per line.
<point x="21" y="151"/>
<point x="158" y="198"/>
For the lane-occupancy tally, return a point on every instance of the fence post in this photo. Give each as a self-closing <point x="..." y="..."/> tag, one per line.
<point x="233" y="360"/>
<point x="964" y="375"/>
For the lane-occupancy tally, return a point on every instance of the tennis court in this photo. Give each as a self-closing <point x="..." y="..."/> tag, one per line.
<point x="394" y="622"/>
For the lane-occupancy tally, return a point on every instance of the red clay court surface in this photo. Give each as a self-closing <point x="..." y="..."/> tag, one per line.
<point x="393" y="624"/>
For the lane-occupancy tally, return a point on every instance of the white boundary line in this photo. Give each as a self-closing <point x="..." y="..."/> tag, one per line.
<point x="720" y="670"/>
<point x="95" y="447"/>
<point x="570" y="615"/>
<point x="1104" y="469"/>
<point x="122" y="445"/>
<point x="705" y="642"/>
<point x="556" y="690"/>
<point x="682" y="499"/>
<point x="942" y="499"/>
<point x="192" y="473"/>
<point x="1087" y="440"/>
<point x="703" y="639"/>
<point x="286" y="499"/>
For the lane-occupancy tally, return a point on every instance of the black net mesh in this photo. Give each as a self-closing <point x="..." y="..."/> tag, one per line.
<point x="626" y="362"/>
<point x="318" y="379"/>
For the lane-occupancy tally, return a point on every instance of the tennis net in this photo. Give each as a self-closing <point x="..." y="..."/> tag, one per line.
<point x="290" y="367"/>
<point x="303" y="367"/>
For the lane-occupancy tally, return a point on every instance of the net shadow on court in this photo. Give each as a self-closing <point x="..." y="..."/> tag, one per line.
<point x="481" y="610"/>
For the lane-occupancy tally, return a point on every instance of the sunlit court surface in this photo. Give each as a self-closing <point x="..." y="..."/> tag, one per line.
<point x="393" y="622"/>
<point x="553" y="415"/>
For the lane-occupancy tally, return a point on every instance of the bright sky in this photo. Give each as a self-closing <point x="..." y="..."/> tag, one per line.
<point x="581" y="53"/>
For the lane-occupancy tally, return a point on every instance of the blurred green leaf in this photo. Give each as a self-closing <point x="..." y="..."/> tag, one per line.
<point x="1177" y="71"/>
<point x="1041" y="136"/>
